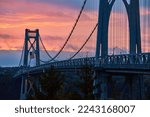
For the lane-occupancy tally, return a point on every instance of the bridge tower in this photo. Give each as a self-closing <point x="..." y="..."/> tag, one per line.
<point x="133" y="12"/>
<point x="105" y="8"/>
<point x="100" y="82"/>
<point x="31" y="47"/>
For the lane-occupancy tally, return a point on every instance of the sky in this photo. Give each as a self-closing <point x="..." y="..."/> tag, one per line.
<point x="54" y="19"/>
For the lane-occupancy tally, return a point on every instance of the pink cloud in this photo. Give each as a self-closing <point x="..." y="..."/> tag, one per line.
<point x="50" y="20"/>
<point x="54" y="21"/>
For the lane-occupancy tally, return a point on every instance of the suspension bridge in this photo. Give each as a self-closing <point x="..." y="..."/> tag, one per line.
<point x="135" y="63"/>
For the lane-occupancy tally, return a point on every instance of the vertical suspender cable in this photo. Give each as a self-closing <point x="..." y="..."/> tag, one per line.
<point x="145" y="17"/>
<point x="115" y="27"/>
<point x="21" y="55"/>
<point x="126" y="34"/>
<point x="121" y="35"/>
<point x="144" y="28"/>
<point x="113" y="32"/>
<point x="148" y="25"/>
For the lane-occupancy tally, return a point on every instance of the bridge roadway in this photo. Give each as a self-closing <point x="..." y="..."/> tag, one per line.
<point x="124" y="63"/>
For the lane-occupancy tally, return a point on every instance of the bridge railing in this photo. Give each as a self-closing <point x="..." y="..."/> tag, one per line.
<point x="74" y="62"/>
<point x="124" y="59"/>
<point x="128" y="59"/>
<point x="112" y="61"/>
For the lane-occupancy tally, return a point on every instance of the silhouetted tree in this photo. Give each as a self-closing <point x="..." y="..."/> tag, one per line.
<point x="87" y="84"/>
<point x="55" y="85"/>
<point x="50" y="84"/>
<point x="147" y="87"/>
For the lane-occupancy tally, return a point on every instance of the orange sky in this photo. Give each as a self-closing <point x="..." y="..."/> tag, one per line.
<point x="55" y="22"/>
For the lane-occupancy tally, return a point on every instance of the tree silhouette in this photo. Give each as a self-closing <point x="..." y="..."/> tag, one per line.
<point x="53" y="85"/>
<point x="50" y="83"/>
<point x="87" y="84"/>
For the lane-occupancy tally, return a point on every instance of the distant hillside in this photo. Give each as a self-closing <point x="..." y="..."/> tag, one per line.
<point x="8" y="71"/>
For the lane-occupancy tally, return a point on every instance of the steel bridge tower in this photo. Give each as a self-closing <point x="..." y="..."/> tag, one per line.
<point x="105" y="8"/>
<point x="31" y="50"/>
<point x="31" y="46"/>
<point x="133" y="12"/>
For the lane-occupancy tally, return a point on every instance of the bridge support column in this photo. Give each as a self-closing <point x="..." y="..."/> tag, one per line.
<point x="104" y="87"/>
<point x="101" y="88"/>
<point x="134" y="25"/>
<point x="136" y="87"/>
<point x="23" y="90"/>
<point x="26" y="88"/>
<point x="96" y="87"/>
<point x="105" y="8"/>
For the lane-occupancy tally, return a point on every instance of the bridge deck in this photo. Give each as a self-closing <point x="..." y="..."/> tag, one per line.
<point x="137" y="62"/>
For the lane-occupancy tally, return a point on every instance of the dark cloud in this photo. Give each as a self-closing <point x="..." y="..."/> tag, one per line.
<point x="53" y="38"/>
<point x="71" y="47"/>
<point x="146" y="41"/>
<point x="74" y="4"/>
<point x="145" y="20"/>
<point x="145" y="3"/>
<point x="6" y="36"/>
<point x="120" y="7"/>
<point x="89" y="48"/>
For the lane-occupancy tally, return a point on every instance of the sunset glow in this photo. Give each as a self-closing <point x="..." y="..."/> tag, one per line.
<point x="54" y="21"/>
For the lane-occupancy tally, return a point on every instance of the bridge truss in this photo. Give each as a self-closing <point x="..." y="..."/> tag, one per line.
<point x="135" y="60"/>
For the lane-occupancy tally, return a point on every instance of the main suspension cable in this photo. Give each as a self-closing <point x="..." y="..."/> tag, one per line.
<point x="45" y="48"/>
<point x="84" y="42"/>
<point x="70" y="34"/>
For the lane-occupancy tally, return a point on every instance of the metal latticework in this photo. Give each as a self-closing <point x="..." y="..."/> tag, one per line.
<point x="31" y="47"/>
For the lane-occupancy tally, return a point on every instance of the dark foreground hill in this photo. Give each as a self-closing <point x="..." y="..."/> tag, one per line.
<point x="9" y="87"/>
